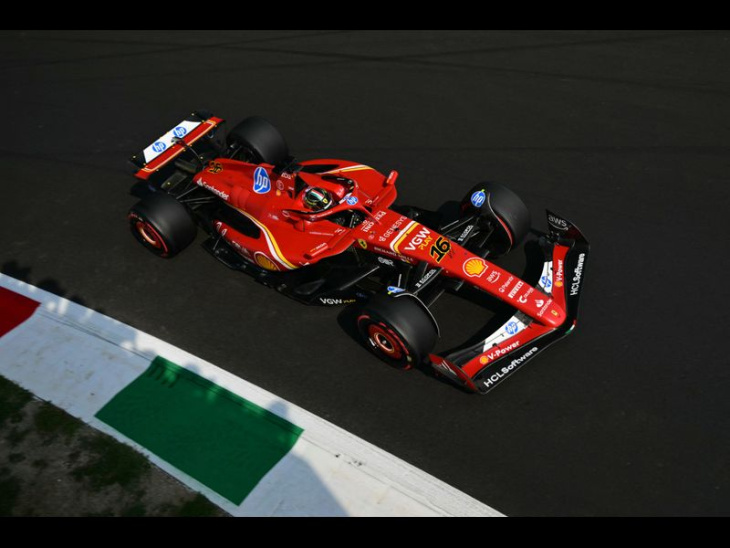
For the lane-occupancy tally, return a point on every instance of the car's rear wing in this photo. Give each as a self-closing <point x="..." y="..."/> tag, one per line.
<point x="170" y="145"/>
<point x="483" y="366"/>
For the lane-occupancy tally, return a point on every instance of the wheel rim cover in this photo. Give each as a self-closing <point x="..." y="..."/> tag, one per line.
<point x="384" y="342"/>
<point x="149" y="234"/>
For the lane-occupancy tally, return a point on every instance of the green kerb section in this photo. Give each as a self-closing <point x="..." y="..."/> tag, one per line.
<point x="219" y="438"/>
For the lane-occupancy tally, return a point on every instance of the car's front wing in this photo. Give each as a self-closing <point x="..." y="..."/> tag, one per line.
<point x="481" y="367"/>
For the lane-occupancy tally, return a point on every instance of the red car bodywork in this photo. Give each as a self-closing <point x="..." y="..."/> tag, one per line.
<point x="291" y="237"/>
<point x="295" y="237"/>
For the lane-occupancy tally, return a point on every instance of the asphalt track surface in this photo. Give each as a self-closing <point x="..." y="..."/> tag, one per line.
<point x="625" y="133"/>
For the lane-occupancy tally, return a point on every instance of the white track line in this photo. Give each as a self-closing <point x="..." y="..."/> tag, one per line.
<point x="79" y="359"/>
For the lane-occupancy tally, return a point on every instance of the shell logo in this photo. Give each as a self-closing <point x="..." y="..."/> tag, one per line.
<point x="474" y="267"/>
<point x="264" y="262"/>
<point x="484" y="360"/>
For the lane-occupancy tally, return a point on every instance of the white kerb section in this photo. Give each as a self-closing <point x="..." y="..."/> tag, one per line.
<point x="79" y="359"/>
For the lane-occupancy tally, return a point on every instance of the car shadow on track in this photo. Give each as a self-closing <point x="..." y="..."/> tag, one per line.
<point x="23" y="273"/>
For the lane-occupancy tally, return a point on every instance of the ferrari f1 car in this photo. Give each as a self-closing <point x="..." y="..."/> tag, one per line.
<point x="327" y="232"/>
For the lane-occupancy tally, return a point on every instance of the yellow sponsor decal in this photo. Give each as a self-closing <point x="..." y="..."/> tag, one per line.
<point x="474" y="267"/>
<point x="363" y="244"/>
<point x="264" y="262"/>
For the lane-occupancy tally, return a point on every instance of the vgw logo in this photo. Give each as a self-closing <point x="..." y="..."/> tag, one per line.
<point x="261" y="181"/>
<point x="421" y="239"/>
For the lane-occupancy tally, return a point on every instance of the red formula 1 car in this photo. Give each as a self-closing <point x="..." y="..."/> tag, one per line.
<point x="326" y="232"/>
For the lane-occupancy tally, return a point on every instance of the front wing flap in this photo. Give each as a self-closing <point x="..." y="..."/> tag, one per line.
<point x="481" y="367"/>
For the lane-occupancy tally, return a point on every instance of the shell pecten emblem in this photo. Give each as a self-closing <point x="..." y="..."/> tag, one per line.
<point x="264" y="262"/>
<point x="474" y="267"/>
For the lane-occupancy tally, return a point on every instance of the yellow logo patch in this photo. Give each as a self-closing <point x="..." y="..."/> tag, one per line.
<point x="474" y="267"/>
<point x="264" y="262"/>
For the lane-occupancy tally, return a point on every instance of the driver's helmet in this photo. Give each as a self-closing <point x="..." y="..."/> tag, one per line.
<point x="317" y="199"/>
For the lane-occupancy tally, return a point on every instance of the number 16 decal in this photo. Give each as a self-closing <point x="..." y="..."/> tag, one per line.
<point x="440" y="248"/>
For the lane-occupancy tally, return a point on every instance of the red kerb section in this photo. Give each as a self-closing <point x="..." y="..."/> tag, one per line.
<point x="14" y="309"/>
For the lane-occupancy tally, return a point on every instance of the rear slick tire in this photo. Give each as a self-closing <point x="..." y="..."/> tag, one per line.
<point x="162" y="225"/>
<point x="261" y="139"/>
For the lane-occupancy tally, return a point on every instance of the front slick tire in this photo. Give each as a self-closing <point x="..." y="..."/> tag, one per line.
<point x="162" y="225"/>
<point x="511" y="212"/>
<point x="397" y="330"/>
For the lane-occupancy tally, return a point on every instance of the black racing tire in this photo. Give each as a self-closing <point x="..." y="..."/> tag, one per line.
<point x="397" y="330"/>
<point x="162" y="224"/>
<point x="261" y="138"/>
<point x="513" y="217"/>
